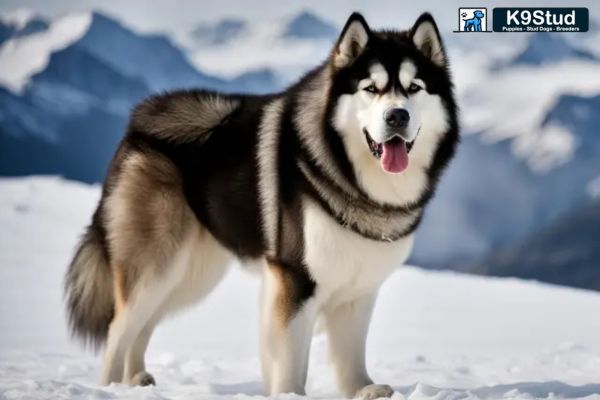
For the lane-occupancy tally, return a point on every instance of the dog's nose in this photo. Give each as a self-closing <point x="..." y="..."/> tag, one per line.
<point x="396" y="117"/>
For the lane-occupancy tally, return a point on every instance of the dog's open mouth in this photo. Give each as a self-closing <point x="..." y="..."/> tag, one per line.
<point x="393" y="154"/>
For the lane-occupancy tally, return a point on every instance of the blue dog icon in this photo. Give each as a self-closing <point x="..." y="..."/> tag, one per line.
<point x="474" y="24"/>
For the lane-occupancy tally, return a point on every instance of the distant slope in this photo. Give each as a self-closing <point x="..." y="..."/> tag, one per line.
<point x="23" y="56"/>
<point x="75" y="70"/>
<point x="547" y="48"/>
<point x="567" y="252"/>
<point x="81" y="147"/>
<point x="289" y="46"/>
<point x="496" y="193"/>
<point x="19" y="24"/>
<point x="69" y="90"/>
<point x="219" y="33"/>
<point x="307" y="25"/>
<point x="152" y="58"/>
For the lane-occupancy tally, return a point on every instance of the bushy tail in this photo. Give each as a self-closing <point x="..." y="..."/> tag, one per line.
<point x="89" y="290"/>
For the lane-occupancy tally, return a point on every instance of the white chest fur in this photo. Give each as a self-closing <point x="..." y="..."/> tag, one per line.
<point x="344" y="264"/>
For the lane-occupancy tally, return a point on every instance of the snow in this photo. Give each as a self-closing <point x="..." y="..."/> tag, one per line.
<point x="512" y="102"/>
<point x="261" y="46"/>
<point x="435" y="335"/>
<point x="546" y="150"/>
<point x="22" y="57"/>
<point x="593" y="188"/>
<point x="19" y="17"/>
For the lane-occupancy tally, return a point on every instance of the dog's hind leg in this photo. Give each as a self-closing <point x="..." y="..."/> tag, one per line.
<point x="288" y="315"/>
<point x="207" y="267"/>
<point x="137" y="310"/>
<point x="135" y="367"/>
<point x="347" y="326"/>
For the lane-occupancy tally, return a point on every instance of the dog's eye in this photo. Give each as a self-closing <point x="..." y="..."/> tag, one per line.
<point x="371" y="89"/>
<point x="413" y="88"/>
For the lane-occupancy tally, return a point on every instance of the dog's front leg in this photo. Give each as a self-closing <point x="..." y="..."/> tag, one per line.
<point x="287" y="319"/>
<point x="347" y="325"/>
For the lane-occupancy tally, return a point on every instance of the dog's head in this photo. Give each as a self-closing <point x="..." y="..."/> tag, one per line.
<point x="391" y="91"/>
<point x="478" y="14"/>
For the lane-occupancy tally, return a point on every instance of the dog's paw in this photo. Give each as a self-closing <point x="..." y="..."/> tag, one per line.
<point x="374" y="391"/>
<point x="142" y="379"/>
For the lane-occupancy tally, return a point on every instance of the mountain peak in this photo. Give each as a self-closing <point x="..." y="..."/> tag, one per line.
<point x="19" y="18"/>
<point x="547" y="48"/>
<point x="20" y="23"/>
<point x="101" y="18"/>
<point x="30" y="54"/>
<point x="220" y="32"/>
<point x="308" y="25"/>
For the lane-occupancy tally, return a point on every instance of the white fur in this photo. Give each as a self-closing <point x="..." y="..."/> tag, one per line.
<point x="134" y="359"/>
<point x="349" y="270"/>
<point x="284" y="345"/>
<point x="379" y="76"/>
<point x="407" y="73"/>
<point x="428" y="121"/>
<point x="308" y="116"/>
<point x="345" y="265"/>
<point x="196" y="268"/>
<point x="347" y="326"/>
<point x="268" y="142"/>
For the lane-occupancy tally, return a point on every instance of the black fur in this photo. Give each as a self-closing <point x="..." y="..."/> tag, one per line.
<point x="220" y="176"/>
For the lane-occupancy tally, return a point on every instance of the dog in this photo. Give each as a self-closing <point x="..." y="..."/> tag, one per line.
<point x="474" y="24"/>
<point x="321" y="187"/>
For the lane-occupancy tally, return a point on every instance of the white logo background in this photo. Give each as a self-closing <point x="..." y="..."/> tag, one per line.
<point x="470" y="13"/>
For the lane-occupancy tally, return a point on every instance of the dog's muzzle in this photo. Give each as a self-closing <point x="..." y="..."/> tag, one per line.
<point x="377" y="148"/>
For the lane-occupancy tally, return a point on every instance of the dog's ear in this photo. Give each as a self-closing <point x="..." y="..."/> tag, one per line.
<point x="426" y="37"/>
<point x="352" y="41"/>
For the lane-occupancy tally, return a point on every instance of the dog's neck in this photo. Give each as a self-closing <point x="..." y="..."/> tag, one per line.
<point x="365" y="179"/>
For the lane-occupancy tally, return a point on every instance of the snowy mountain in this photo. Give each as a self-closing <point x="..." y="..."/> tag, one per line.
<point x="20" y="23"/>
<point x="24" y="56"/>
<point x="496" y="193"/>
<point x="69" y="90"/>
<point x="307" y="25"/>
<point x="74" y="69"/>
<point x="546" y="48"/>
<point x="575" y="113"/>
<point x="529" y="154"/>
<point x="289" y="46"/>
<point x="152" y="58"/>
<point x="434" y="335"/>
<point x="566" y="252"/>
<point x="219" y="33"/>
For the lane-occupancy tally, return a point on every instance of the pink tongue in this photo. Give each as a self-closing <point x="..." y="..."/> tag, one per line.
<point x="395" y="156"/>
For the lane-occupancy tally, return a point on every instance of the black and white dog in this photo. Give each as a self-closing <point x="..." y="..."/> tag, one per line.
<point x="321" y="185"/>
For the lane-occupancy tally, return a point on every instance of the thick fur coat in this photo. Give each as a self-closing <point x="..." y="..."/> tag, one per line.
<point x="320" y="186"/>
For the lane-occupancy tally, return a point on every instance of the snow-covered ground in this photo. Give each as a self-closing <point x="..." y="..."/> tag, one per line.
<point x="435" y="335"/>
